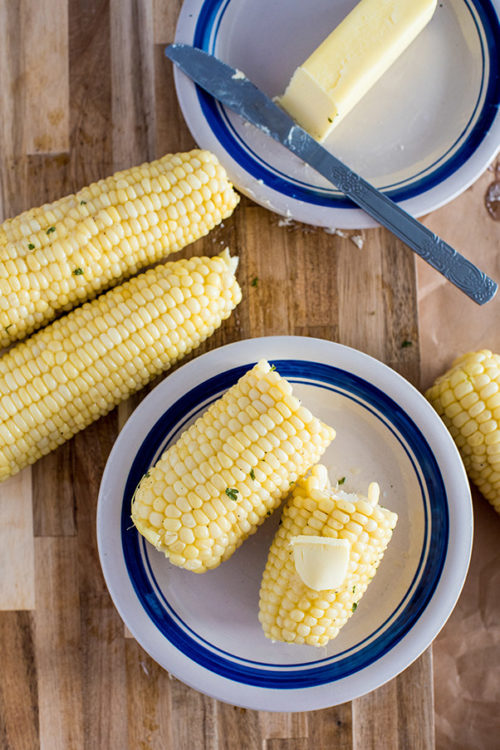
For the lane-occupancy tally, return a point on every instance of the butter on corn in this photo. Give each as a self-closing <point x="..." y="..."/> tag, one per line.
<point x="289" y="609"/>
<point x="82" y="365"/>
<point x="228" y="471"/>
<point x="54" y="257"/>
<point x="467" y="398"/>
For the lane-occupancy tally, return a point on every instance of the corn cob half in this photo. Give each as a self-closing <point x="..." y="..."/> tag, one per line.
<point x="228" y="471"/>
<point x="82" y="365"/>
<point x="63" y="253"/>
<point x="467" y="398"/>
<point x="291" y="611"/>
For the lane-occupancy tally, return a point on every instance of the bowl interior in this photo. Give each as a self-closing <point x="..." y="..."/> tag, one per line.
<point x="217" y="611"/>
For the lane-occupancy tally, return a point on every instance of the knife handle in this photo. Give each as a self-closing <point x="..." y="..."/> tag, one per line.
<point x="441" y="256"/>
<point x="239" y="94"/>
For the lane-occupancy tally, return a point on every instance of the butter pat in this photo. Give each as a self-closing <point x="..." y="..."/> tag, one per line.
<point x="320" y="561"/>
<point x="347" y="64"/>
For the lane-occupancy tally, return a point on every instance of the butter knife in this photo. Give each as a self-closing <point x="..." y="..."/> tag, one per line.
<point x="236" y="91"/>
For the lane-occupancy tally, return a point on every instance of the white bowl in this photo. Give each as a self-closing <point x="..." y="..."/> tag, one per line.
<point x="204" y="628"/>
<point x="422" y="134"/>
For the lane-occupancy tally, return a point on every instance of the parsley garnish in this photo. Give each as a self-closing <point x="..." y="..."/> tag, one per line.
<point x="147" y="474"/>
<point x="354" y="606"/>
<point x="31" y="246"/>
<point x="406" y="343"/>
<point x="50" y="230"/>
<point x="78" y="272"/>
<point x="254" y="281"/>
<point x="9" y="326"/>
<point x="83" y="203"/>
<point x="273" y="367"/>
<point x="232" y="492"/>
<point x="252" y="474"/>
<point x="353" y="589"/>
<point x="330" y="119"/>
<point x="341" y="481"/>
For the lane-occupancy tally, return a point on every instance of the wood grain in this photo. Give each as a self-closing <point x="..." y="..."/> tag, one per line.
<point x="17" y="589"/>
<point x="18" y="683"/>
<point x="57" y="644"/>
<point x="149" y="704"/>
<point x="72" y="676"/>
<point x="46" y="81"/>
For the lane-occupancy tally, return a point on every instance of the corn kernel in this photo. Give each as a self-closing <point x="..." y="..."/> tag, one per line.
<point x="289" y="610"/>
<point x="80" y="258"/>
<point x="236" y="482"/>
<point x="475" y="378"/>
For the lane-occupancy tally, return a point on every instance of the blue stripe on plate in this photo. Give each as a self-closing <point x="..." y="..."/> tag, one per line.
<point x="146" y="548"/>
<point x="488" y="101"/>
<point x="305" y="674"/>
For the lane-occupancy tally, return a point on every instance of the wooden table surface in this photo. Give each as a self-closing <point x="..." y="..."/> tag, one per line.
<point x="84" y="91"/>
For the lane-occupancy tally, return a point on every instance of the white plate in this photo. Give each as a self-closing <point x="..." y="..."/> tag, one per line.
<point x="423" y="133"/>
<point x="204" y="628"/>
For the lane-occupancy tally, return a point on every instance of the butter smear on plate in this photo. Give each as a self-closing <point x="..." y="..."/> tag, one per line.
<point x="351" y="59"/>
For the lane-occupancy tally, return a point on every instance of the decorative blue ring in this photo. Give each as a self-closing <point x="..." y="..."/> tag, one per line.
<point x="319" y="672"/>
<point x="205" y="37"/>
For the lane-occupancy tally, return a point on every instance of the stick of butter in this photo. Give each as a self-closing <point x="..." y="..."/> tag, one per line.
<point x="351" y="59"/>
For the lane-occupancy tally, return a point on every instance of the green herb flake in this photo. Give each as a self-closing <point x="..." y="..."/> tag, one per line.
<point x="330" y="119"/>
<point x="341" y="481"/>
<point x="255" y="281"/>
<point x="354" y="589"/>
<point x="354" y="606"/>
<point x="9" y="326"/>
<point x="252" y="474"/>
<point x="268" y="513"/>
<point x="83" y="203"/>
<point x="273" y="367"/>
<point x="232" y="492"/>
<point x="406" y="343"/>
<point x="31" y="246"/>
<point x="78" y="272"/>
<point x="50" y="230"/>
<point x="147" y="474"/>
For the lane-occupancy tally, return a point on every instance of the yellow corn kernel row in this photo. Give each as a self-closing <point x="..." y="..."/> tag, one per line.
<point x="228" y="471"/>
<point x="467" y="398"/>
<point x="82" y="365"/>
<point x="289" y="610"/>
<point x="63" y="253"/>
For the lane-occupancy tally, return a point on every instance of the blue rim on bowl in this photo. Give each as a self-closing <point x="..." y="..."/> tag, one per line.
<point x="486" y="108"/>
<point x="170" y="624"/>
<point x="449" y="168"/>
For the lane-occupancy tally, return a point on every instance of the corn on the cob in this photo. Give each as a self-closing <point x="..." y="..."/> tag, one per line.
<point x="228" y="471"/>
<point x="82" y="365"/>
<point x="467" y="398"/>
<point x="54" y="257"/>
<point x="291" y="611"/>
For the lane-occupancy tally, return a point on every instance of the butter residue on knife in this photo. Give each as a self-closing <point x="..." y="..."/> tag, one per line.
<point x="350" y="60"/>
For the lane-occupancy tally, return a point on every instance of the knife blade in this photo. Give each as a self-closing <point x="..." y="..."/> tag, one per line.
<point x="233" y="89"/>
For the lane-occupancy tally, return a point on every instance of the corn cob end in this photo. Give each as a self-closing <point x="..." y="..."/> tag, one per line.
<point x="467" y="398"/>
<point x="228" y="471"/>
<point x="289" y="609"/>
<point x="82" y="365"/>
